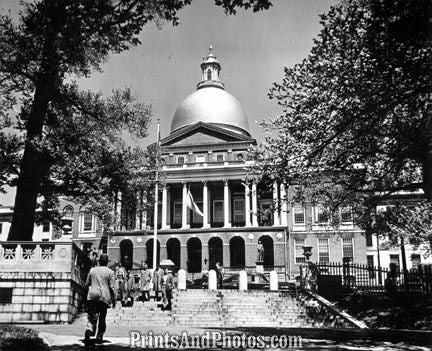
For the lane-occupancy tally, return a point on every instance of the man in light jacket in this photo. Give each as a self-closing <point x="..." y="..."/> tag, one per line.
<point x="101" y="293"/>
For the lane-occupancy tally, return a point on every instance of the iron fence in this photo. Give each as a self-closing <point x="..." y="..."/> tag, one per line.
<point x="363" y="277"/>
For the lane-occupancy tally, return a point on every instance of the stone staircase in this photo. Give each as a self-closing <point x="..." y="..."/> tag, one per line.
<point x="231" y="308"/>
<point x="140" y="314"/>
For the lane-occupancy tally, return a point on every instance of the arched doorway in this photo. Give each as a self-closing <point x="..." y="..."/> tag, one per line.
<point x="149" y="248"/>
<point x="194" y="250"/>
<point x="126" y="253"/>
<point x="173" y="251"/>
<point x="215" y="245"/>
<point x="267" y="242"/>
<point x="237" y="252"/>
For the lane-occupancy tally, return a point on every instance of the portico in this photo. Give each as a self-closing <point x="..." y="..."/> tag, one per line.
<point x="224" y="203"/>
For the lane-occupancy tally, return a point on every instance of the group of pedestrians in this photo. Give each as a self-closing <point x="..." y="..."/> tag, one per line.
<point x="162" y="283"/>
<point x="105" y="287"/>
<point x="125" y="286"/>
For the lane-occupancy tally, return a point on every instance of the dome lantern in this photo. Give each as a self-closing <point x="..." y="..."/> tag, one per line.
<point x="210" y="68"/>
<point x="211" y="103"/>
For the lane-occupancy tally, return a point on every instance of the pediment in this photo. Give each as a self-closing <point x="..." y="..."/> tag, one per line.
<point x="202" y="134"/>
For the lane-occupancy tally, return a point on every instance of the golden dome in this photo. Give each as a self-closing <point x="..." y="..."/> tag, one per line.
<point x="211" y="105"/>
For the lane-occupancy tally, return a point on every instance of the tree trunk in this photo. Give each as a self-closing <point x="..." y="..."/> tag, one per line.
<point x="33" y="167"/>
<point x="427" y="179"/>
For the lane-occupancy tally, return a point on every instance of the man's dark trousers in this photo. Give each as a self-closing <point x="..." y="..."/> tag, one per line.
<point x="96" y="311"/>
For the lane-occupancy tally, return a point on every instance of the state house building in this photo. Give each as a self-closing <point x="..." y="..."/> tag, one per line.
<point x="206" y="154"/>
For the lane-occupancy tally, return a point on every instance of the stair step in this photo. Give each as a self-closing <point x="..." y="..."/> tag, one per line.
<point x="224" y="308"/>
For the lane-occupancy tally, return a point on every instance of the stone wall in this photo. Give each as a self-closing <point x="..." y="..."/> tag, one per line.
<point x="41" y="282"/>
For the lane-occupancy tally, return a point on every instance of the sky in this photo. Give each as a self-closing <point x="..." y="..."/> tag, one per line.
<point x="253" y="49"/>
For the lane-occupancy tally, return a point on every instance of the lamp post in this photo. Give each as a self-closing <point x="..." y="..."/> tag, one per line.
<point x="307" y="252"/>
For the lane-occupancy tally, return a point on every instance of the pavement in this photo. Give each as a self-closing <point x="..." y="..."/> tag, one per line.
<point x="69" y="337"/>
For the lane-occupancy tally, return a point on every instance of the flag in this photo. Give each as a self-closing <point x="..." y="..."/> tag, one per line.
<point x="192" y="205"/>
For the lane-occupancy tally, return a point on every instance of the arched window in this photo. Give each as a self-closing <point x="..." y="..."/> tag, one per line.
<point x="68" y="212"/>
<point x="237" y="252"/>
<point x="209" y="74"/>
<point x="173" y="248"/>
<point x="194" y="254"/>
<point x="215" y="246"/>
<point x="149" y="249"/>
<point x="126" y="253"/>
<point x="68" y="219"/>
<point x="268" y="258"/>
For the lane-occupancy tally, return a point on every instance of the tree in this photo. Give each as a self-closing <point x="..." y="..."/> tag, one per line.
<point x="357" y="111"/>
<point x="54" y="42"/>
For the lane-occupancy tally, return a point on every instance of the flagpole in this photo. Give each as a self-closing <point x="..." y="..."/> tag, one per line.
<point x="156" y="197"/>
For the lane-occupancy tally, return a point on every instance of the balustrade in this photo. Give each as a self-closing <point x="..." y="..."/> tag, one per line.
<point x="44" y="257"/>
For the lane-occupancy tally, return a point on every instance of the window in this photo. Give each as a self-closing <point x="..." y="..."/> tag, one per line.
<point x="394" y="259"/>
<point x="6" y="296"/>
<point x="265" y="217"/>
<point x="177" y="216"/>
<point x="347" y="248"/>
<point x="369" y="239"/>
<point x="239" y="210"/>
<point x="298" y="251"/>
<point x="87" y="222"/>
<point x="180" y="160"/>
<point x="320" y="214"/>
<point x="46" y="227"/>
<point x="219" y="158"/>
<point x="370" y="260"/>
<point x="209" y="74"/>
<point x="323" y="250"/>
<point x="415" y="260"/>
<point x="346" y="215"/>
<point x="218" y="211"/>
<point x="68" y="212"/>
<point x="299" y="214"/>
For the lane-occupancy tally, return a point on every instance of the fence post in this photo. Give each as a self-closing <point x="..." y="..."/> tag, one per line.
<point x="212" y="280"/>
<point x="181" y="282"/>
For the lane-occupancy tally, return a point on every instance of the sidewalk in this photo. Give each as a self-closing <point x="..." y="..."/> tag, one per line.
<point x="68" y="337"/>
<point x="73" y="334"/>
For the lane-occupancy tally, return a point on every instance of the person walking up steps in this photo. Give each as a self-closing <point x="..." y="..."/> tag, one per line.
<point x="157" y="282"/>
<point x="145" y="283"/>
<point x="167" y="288"/>
<point x="100" y="284"/>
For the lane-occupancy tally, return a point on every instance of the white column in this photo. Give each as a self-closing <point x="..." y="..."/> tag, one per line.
<point x="254" y="205"/>
<point x="276" y="221"/>
<point x="184" y="207"/>
<point x="144" y="212"/>
<point x="205" y="206"/>
<point x="284" y="207"/>
<point x="227" y="222"/>
<point x="138" y="214"/>
<point x="119" y="210"/>
<point x="113" y="210"/>
<point x="164" y="206"/>
<point x="247" y="206"/>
